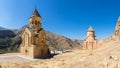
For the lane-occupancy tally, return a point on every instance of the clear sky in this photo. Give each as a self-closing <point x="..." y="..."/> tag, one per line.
<point x="69" y="18"/>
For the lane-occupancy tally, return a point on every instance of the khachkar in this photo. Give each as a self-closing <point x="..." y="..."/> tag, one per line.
<point x="34" y="38"/>
<point x="90" y="42"/>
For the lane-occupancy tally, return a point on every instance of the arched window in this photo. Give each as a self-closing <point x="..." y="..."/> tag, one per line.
<point x="35" y="22"/>
<point x="26" y="40"/>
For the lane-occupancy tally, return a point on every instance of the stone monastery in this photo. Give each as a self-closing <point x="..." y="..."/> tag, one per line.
<point x="34" y="38"/>
<point x="90" y="42"/>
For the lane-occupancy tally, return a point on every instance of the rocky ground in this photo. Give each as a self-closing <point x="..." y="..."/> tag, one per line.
<point x="106" y="56"/>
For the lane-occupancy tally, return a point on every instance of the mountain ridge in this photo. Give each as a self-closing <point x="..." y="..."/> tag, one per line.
<point x="54" y="41"/>
<point x="2" y="28"/>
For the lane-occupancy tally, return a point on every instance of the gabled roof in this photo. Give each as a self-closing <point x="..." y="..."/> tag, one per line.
<point x="34" y="30"/>
<point x="90" y="29"/>
<point x="31" y="29"/>
<point x="26" y="28"/>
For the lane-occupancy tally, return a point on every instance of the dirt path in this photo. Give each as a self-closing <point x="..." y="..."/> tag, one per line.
<point x="15" y="58"/>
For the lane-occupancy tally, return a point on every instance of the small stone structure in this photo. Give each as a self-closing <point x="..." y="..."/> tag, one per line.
<point x="90" y="42"/>
<point x="34" y="38"/>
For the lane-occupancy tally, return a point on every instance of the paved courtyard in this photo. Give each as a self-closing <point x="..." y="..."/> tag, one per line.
<point x="15" y="58"/>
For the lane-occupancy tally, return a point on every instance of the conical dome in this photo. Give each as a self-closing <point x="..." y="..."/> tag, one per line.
<point x="35" y="20"/>
<point x="35" y="13"/>
<point x="90" y="29"/>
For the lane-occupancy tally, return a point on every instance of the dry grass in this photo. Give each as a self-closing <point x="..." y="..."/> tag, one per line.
<point x="97" y="58"/>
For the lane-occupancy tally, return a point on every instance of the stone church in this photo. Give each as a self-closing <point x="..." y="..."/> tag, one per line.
<point x="34" y="38"/>
<point x="90" y="42"/>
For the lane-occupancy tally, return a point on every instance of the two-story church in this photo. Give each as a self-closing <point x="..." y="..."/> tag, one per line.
<point x="34" y="38"/>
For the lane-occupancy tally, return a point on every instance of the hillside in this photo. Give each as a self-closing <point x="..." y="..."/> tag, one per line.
<point x="11" y="39"/>
<point x="54" y="41"/>
<point x="106" y="56"/>
<point x="2" y="28"/>
<point x="6" y="33"/>
<point x="60" y="42"/>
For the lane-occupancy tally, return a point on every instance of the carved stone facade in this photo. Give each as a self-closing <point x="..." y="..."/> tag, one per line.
<point x="34" y="38"/>
<point x="90" y="42"/>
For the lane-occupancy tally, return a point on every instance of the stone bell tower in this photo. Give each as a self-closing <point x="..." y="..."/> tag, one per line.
<point x="35" y="20"/>
<point x="34" y="38"/>
<point x="90" y="42"/>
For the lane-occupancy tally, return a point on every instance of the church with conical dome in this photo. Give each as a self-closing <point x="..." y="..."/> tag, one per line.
<point x="90" y="42"/>
<point x="34" y="38"/>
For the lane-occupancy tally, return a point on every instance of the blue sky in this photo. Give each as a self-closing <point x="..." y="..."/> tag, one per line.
<point x="69" y="18"/>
